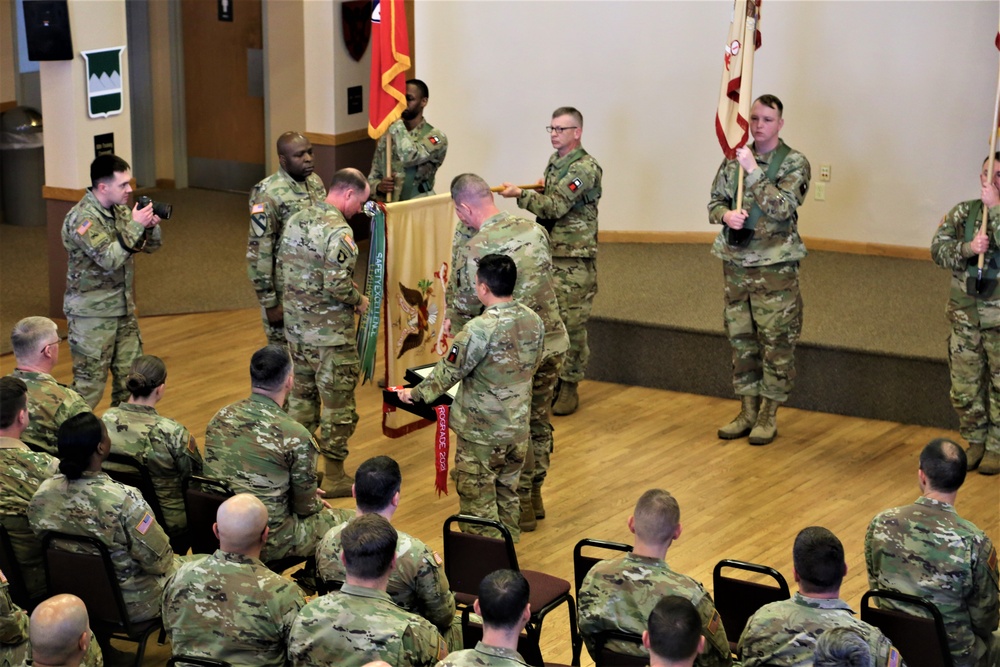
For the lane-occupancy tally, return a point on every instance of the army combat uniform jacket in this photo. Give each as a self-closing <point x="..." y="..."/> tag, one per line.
<point x="21" y="473"/>
<point x="950" y="250"/>
<point x="416" y="156"/>
<point x="49" y="405"/>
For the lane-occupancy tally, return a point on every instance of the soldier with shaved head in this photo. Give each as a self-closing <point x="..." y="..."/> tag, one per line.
<point x="60" y="633"/>
<point x="228" y="605"/>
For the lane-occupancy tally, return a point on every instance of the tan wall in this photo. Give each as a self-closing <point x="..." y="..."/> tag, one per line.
<point x="896" y="96"/>
<point x="8" y="53"/>
<point x="162" y="74"/>
<point x="284" y="73"/>
<point x="69" y="132"/>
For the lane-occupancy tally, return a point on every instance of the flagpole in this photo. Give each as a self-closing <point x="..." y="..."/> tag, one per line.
<point x="388" y="162"/>
<point x="746" y="85"/>
<point x="989" y="175"/>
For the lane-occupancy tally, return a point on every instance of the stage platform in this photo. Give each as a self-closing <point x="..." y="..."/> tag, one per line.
<point x="874" y="339"/>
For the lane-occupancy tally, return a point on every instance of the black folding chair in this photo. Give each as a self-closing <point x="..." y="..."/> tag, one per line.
<point x="11" y="568"/>
<point x="921" y="640"/>
<point x="736" y="600"/>
<point x="582" y="563"/>
<point x="605" y="657"/>
<point x="202" y="497"/>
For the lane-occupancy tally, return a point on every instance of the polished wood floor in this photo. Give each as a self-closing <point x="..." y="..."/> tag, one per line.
<point x="736" y="501"/>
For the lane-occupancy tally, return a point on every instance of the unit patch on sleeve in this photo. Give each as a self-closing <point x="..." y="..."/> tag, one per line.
<point x="453" y="354"/>
<point x="575" y="185"/>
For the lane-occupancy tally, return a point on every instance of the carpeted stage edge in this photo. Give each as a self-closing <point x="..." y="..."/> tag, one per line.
<point x="874" y="340"/>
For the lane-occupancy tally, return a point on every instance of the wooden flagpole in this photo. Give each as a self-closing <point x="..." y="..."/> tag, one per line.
<point x="388" y="161"/>
<point x="983" y="228"/>
<point x="746" y="82"/>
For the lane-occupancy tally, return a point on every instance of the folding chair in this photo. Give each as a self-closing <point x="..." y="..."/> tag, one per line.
<point x="183" y="660"/>
<point x="469" y="558"/>
<point x="922" y="641"/>
<point x="581" y="566"/>
<point x="132" y="472"/>
<point x="605" y="657"/>
<point x="12" y="570"/>
<point x="736" y="600"/>
<point x="202" y="497"/>
<point x="89" y="574"/>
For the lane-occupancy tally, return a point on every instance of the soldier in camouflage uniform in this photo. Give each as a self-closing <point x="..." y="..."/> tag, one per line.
<point x="974" y="345"/>
<point x="272" y="201"/>
<point x="783" y="634"/>
<point x="619" y="594"/>
<point x="673" y="633"/>
<point x="418" y="150"/>
<point x="21" y="472"/>
<point x="503" y="606"/>
<point x="228" y="605"/>
<point x="82" y="500"/>
<point x="484" y="230"/>
<point x="13" y="629"/>
<point x="567" y="208"/>
<point x="360" y="622"/>
<point x="763" y="311"/>
<point x="495" y="356"/>
<point x="926" y="549"/>
<point x="417" y="583"/>
<point x="36" y="350"/>
<point x="101" y="235"/>
<point x="165" y="447"/>
<point x="318" y="254"/>
<point x="60" y="634"/>
<point x="256" y="447"/>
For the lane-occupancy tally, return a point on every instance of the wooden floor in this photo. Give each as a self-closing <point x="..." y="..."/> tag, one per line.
<point x="736" y="501"/>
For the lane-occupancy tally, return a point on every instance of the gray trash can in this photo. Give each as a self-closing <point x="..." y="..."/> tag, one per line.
<point x="22" y="167"/>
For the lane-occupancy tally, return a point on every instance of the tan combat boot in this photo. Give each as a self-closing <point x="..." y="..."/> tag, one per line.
<point x="767" y="425"/>
<point x="567" y="401"/>
<point x="536" y="502"/>
<point x="744" y="421"/>
<point x="974" y="454"/>
<point x="336" y="483"/>
<point x="527" y="522"/>
<point x="990" y="464"/>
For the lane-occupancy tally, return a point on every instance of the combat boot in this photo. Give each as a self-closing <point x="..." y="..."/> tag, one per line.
<point x="567" y="401"/>
<point x="766" y="428"/>
<point x="527" y="522"/>
<point x="974" y="454"/>
<point x="336" y="483"/>
<point x="536" y="502"/>
<point x="744" y="421"/>
<point x="990" y="464"/>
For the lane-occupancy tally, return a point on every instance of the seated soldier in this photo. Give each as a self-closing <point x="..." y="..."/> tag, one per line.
<point x="13" y="628"/>
<point x="417" y="583"/>
<point x="256" y="448"/>
<point x="619" y="594"/>
<point x="360" y="622"/>
<point x="673" y="634"/>
<point x="785" y="633"/>
<point x="61" y="636"/>
<point x="21" y="471"/>
<point x="503" y="606"/>
<point x="36" y="350"/>
<point x="232" y="589"/>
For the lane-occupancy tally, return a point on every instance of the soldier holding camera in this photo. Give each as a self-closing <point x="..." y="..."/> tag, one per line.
<point x="101" y="235"/>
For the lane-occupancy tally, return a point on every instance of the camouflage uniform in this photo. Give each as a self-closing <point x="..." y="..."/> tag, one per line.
<point x="568" y="208"/>
<point x="13" y="629"/>
<point x="49" y="405"/>
<point x="272" y="202"/>
<point x="317" y="256"/>
<point x="926" y="549"/>
<point x="165" y="448"/>
<point x="763" y="312"/>
<point x="417" y="583"/>
<point x="230" y="607"/>
<point x="256" y="448"/>
<point x="484" y="656"/>
<point x="528" y="245"/>
<point x="620" y="593"/>
<point x="495" y="356"/>
<point x="783" y="634"/>
<point x="416" y="156"/>
<point x="21" y="472"/>
<point x="974" y="345"/>
<point x="103" y="329"/>
<point x="357" y="625"/>
<point x="97" y="506"/>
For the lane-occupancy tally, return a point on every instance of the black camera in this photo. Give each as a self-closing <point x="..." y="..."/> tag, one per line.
<point x="159" y="208"/>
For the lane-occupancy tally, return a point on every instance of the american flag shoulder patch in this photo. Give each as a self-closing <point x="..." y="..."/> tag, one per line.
<point x="143" y="526"/>
<point x="82" y="229"/>
<point x="257" y="208"/>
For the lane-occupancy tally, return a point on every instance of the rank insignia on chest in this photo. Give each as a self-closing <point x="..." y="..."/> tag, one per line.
<point x="434" y="139"/>
<point x="453" y="354"/>
<point x="82" y="229"/>
<point x="575" y="185"/>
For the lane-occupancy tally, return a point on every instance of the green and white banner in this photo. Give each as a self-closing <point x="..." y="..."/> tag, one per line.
<point x="368" y="326"/>
<point x="105" y="87"/>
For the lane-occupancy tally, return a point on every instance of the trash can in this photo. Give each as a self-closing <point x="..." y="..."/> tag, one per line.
<point x="22" y="167"/>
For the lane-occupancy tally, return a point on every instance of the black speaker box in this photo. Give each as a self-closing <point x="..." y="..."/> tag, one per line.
<point x="46" y="25"/>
